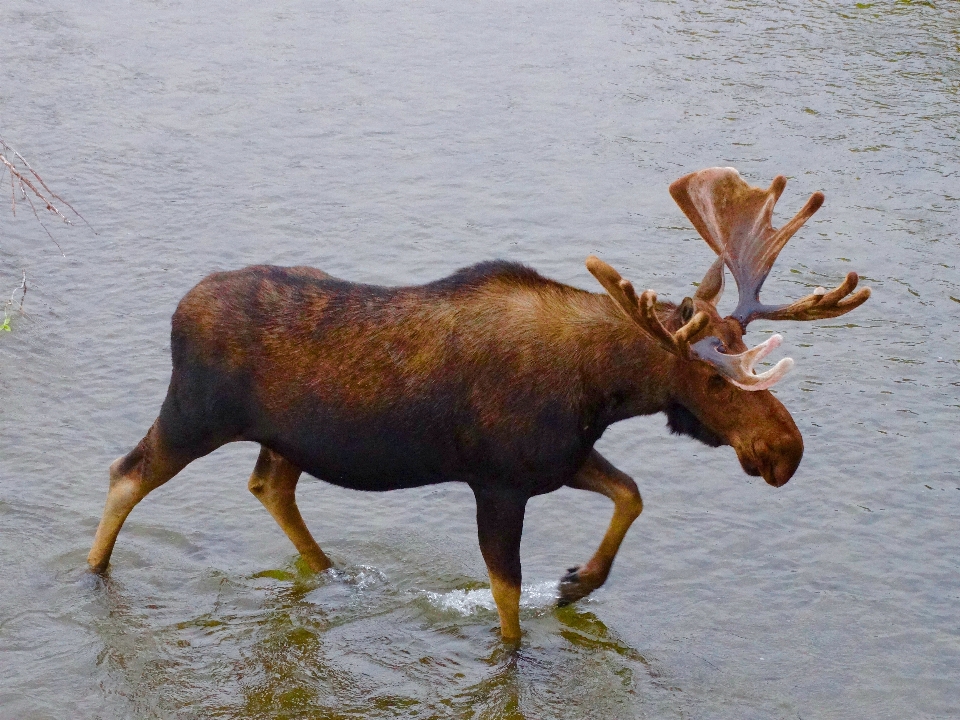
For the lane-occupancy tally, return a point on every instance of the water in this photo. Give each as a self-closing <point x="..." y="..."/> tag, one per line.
<point x="393" y="143"/>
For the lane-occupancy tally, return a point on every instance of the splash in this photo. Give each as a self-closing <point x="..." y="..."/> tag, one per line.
<point x="467" y="602"/>
<point x="362" y="577"/>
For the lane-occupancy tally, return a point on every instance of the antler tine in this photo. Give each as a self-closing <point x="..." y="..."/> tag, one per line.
<point x="790" y="229"/>
<point x="697" y="323"/>
<point x="820" y="305"/>
<point x="611" y="281"/>
<point x="642" y="310"/>
<point x="651" y="323"/>
<point x="777" y="187"/>
<point x="842" y="290"/>
<point x="711" y="287"/>
<point x="630" y="294"/>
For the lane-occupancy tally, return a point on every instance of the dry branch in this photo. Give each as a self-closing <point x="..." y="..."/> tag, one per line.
<point x="27" y="183"/>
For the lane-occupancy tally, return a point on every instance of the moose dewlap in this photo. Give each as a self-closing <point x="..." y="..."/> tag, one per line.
<point x="495" y="376"/>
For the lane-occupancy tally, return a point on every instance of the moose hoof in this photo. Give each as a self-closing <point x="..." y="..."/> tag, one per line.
<point x="575" y="584"/>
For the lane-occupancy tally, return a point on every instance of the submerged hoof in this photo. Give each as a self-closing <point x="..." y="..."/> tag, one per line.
<point x="91" y="579"/>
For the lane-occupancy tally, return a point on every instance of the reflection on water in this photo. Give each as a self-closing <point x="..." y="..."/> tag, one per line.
<point x="347" y="643"/>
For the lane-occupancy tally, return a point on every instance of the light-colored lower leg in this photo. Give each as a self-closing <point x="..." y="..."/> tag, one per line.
<point x="623" y="516"/>
<point x="121" y="498"/>
<point x="499" y="528"/>
<point x="507" y="597"/>
<point x="132" y="477"/>
<point x="598" y="475"/>
<point x="274" y="483"/>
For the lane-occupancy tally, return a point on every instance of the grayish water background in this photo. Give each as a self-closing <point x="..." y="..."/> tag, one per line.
<point x="393" y="143"/>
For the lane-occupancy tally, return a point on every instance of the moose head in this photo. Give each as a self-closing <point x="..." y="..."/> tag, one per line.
<point x="715" y="395"/>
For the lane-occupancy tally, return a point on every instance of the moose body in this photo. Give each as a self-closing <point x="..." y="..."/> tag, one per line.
<point x="495" y="376"/>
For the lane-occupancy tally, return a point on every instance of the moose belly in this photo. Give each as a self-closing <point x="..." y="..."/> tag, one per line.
<point x="420" y="444"/>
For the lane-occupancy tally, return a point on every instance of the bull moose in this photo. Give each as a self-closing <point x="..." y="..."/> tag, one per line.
<point x="494" y="376"/>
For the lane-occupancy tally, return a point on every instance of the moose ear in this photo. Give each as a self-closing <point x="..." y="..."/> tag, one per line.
<point x="686" y="310"/>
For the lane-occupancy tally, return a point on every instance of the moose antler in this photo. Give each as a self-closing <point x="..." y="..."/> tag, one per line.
<point x="642" y="310"/>
<point x="820" y="304"/>
<point x="735" y="220"/>
<point x="738" y="369"/>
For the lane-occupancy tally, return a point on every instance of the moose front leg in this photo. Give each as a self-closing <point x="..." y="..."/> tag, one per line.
<point x="274" y="483"/>
<point x="598" y="475"/>
<point x="499" y="526"/>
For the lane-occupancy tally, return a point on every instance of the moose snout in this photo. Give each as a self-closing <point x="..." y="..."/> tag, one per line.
<point x="776" y="461"/>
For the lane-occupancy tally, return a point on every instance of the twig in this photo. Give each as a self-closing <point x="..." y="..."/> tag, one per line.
<point x="23" y="178"/>
<point x="26" y="178"/>
<point x="23" y="287"/>
<point x="37" y="216"/>
<point x="52" y="193"/>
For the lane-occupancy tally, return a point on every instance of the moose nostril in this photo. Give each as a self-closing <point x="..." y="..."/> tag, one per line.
<point x="787" y="461"/>
<point x="776" y="461"/>
<point x="782" y="472"/>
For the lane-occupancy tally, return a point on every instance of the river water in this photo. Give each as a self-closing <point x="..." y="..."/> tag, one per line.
<point x="393" y="143"/>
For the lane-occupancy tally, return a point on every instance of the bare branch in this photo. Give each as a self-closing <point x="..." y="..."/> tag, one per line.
<point x="23" y="178"/>
<point x="53" y="194"/>
<point x="37" y="216"/>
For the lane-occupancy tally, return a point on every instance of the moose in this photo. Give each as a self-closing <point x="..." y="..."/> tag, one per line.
<point x="494" y="376"/>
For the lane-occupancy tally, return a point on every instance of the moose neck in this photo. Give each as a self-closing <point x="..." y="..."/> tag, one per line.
<point x="624" y="372"/>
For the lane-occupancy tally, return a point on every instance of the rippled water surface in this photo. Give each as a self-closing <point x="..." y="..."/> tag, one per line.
<point x="394" y="142"/>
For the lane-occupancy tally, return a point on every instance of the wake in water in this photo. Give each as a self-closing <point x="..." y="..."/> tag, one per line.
<point x="362" y="577"/>
<point x="466" y="602"/>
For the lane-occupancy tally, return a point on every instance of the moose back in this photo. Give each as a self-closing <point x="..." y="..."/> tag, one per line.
<point x="495" y="376"/>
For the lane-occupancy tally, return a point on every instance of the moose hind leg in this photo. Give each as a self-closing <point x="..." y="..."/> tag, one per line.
<point x="598" y="475"/>
<point x="274" y="482"/>
<point x="499" y="527"/>
<point x="148" y="466"/>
